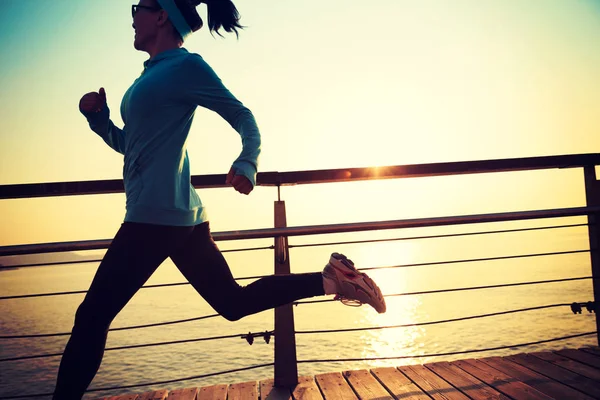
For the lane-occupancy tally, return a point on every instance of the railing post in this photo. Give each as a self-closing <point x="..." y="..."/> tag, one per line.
<point x="592" y="194"/>
<point x="286" y="368"/>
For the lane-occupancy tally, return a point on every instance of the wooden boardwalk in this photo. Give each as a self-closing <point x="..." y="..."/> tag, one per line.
<point x="563" y="375"/>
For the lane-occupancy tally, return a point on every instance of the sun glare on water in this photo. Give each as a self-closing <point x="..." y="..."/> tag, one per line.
<point x="401" y="310"/>
<point x="394" y="342"/>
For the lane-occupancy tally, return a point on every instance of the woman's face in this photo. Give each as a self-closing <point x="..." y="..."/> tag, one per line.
<point x="144" y="24"/>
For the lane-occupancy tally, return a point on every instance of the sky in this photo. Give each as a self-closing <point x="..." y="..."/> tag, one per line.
<point x="332" y="84"/>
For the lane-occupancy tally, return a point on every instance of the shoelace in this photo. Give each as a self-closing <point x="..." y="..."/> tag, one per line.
<point x="348" y="302"/>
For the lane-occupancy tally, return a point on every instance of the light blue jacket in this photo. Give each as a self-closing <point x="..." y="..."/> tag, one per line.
<point x="158" y="110"/>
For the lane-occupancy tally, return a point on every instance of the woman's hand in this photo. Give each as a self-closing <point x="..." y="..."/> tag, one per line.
<point x="93" y="102"/>
<point x="239" y="182"/>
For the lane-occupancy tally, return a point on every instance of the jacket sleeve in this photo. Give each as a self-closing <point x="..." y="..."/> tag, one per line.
<point x="101" y="124"/>
<point x="205" y="89"/>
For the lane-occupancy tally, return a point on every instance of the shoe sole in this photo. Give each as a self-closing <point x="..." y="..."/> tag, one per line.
<point x="345" y="266"/>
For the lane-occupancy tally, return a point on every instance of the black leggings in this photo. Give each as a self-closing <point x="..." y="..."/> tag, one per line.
<point x="135" y="253"/>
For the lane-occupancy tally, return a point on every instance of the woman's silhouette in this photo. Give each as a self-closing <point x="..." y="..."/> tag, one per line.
<point x="164" y="215"/>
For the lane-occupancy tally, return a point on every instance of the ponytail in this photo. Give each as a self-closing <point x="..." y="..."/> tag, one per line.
<point x="221" y="14"/>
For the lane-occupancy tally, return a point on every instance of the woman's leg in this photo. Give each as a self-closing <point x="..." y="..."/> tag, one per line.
<point x="203" y="265"/>
<point x="134" y="254"/>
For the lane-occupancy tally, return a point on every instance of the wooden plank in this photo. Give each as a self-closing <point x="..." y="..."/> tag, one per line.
<point x="578" y="382"/>
<point x="214" y="392"/>
<point x="183" y="394"/>
<point x="270" y="392"/>
<point x="591" y="350"/>
<point x="571" y="365"/>
<point x="466" y="383"/>
<point x="307" y="389"/>
<point x="121" y="397"/>
<point x="500" y="381"/>
<point x="334" y="387"/>
<point x="366" y="386"/>
<point x="398" y="384"/>
<point x="243" y="391"/>
<point x="535" y="380"/>
<point x="432" y="384"/>
<point x="156" y="395"/>
<point x="581" y="356"/>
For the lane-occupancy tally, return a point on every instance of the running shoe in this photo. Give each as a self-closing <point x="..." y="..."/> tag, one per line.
<point x="353" y="287"/>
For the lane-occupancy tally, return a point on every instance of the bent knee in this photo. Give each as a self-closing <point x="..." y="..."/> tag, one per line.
<point x="91" y="321"/>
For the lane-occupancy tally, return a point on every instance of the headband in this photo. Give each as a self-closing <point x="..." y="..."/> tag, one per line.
<point x="176" y="17"/>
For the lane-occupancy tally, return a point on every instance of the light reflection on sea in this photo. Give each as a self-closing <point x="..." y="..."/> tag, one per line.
<point x="392" y="342"/>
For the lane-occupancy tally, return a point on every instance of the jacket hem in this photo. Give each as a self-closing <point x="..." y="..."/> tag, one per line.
<point x="160" y="216"/>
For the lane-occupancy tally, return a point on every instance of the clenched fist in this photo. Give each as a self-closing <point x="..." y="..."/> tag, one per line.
<point x="93" y="102"/>
<point x="239" y="182"/>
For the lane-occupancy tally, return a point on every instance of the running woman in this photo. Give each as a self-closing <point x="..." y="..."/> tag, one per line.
<point x="164" y="215"/>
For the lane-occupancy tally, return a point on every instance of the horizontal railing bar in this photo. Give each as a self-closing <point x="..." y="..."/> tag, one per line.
<point x="436" y="322"/>
<point x="452" y="353"/>
<point x="47" y="264"/>
<point x="437" y="169"/>
<point x="321" y="229"/>
<point x="128" y="347"/>
<point x="123" y="328"/>
<point x="97" y="260"/>
<point x="426" y="264"/>
<point x="29" y="190"/>
<point x="474" y="260"/>
<point x="326" y="331"/>
<point x="441" y="236"/>
<point x="438" y="291"/>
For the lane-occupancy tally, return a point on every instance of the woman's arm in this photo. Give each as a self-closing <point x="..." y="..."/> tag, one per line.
<point x="204" y="88"/>
<point x="93" y="106"/>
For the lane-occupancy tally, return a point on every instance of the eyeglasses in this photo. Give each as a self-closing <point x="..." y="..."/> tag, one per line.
<point x="135" y="8"/>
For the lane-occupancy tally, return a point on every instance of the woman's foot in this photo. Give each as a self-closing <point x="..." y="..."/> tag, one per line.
<point x="352" y="287"/>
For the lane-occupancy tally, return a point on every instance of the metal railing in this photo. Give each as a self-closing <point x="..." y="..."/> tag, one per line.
<point x="286" y="362"/>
